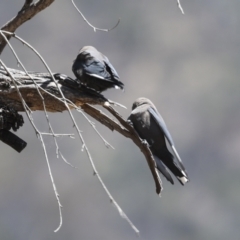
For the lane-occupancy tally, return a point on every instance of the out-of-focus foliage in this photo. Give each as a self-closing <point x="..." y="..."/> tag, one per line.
<point x="188" y="65"/>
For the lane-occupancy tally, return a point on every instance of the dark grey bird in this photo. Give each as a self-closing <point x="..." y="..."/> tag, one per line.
<point x="151" y="127"/>
<point x="94" y="70"/>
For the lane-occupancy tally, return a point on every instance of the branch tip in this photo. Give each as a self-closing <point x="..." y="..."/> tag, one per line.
<point x="180" y="6"/>
<point x="93" y="27"/>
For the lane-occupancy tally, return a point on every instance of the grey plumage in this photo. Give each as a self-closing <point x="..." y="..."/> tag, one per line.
<point x="151" y="127"/>
<point x="94" y="70"/>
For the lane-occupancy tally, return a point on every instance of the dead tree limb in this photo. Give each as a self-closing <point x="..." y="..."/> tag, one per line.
<point x="28" y="11"/>
<point x="49" y="90"/>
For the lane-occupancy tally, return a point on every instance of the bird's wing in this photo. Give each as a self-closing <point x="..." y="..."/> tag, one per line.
<point x="110" y="68"/>
<point x="162" y="168"/>
<point x="98" y="70"/>
<point x="159" y="120"/>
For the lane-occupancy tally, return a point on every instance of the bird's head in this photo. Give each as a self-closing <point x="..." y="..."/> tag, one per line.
<point x="141" y="101"/>
<point x="87" y="49"/>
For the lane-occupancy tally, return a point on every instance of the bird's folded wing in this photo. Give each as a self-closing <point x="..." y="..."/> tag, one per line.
<point x="159" y="120"/>
<point x="111" y="68"/>
<point x="162" y="168"/>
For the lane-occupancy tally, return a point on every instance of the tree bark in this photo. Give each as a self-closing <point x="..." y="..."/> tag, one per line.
<point x="49" y="90"/>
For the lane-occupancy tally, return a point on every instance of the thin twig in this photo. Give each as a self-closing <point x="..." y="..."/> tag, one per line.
<point x="37" y="131"/>
<point x="107" y="144"/>
<point x="59" y="134"/>
<point x="39" y="93"/>
<point x="180" y="7"/>
<point x="94" y="28"/>
<point x="65" y="160"/>
<point x="22" y="17"/>
<point x="41" y="140"/>
<point x="127" y="131"/>
<point x="53" y="183"/>
<point x="95" y="172"/>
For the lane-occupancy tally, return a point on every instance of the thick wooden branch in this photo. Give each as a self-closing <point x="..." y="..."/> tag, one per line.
<point x="28" y="11"/>
<point x="43" y="82"/>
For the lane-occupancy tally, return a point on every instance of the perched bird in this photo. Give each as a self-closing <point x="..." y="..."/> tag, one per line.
<point x="94" y="70"/>
<point x="151" y="127"/>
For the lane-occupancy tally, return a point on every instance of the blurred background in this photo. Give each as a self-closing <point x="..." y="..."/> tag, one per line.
<point x="188" y="65"/>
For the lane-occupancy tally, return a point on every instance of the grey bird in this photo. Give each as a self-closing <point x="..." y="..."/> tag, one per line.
<point x="94" y="70"/>
<point x="151" y="127"/>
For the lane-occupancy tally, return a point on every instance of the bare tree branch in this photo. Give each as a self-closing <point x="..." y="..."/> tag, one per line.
<point x="28" y="11"/>
<point x="25" y="106"/>
<point x="180" y="6"/>
<point x="94" y="28"/>
<point x="48" y="89"/>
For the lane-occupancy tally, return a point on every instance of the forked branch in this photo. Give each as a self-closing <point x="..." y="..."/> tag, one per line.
<point x="28" y="11"/>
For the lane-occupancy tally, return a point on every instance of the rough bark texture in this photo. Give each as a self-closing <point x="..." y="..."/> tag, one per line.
<point x="49" y="90"/>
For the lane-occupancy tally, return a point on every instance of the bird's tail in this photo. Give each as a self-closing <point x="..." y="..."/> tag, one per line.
<point x="119" y="85"/>
<point x="162" y="169"/>
<point x="180" y="173"/>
